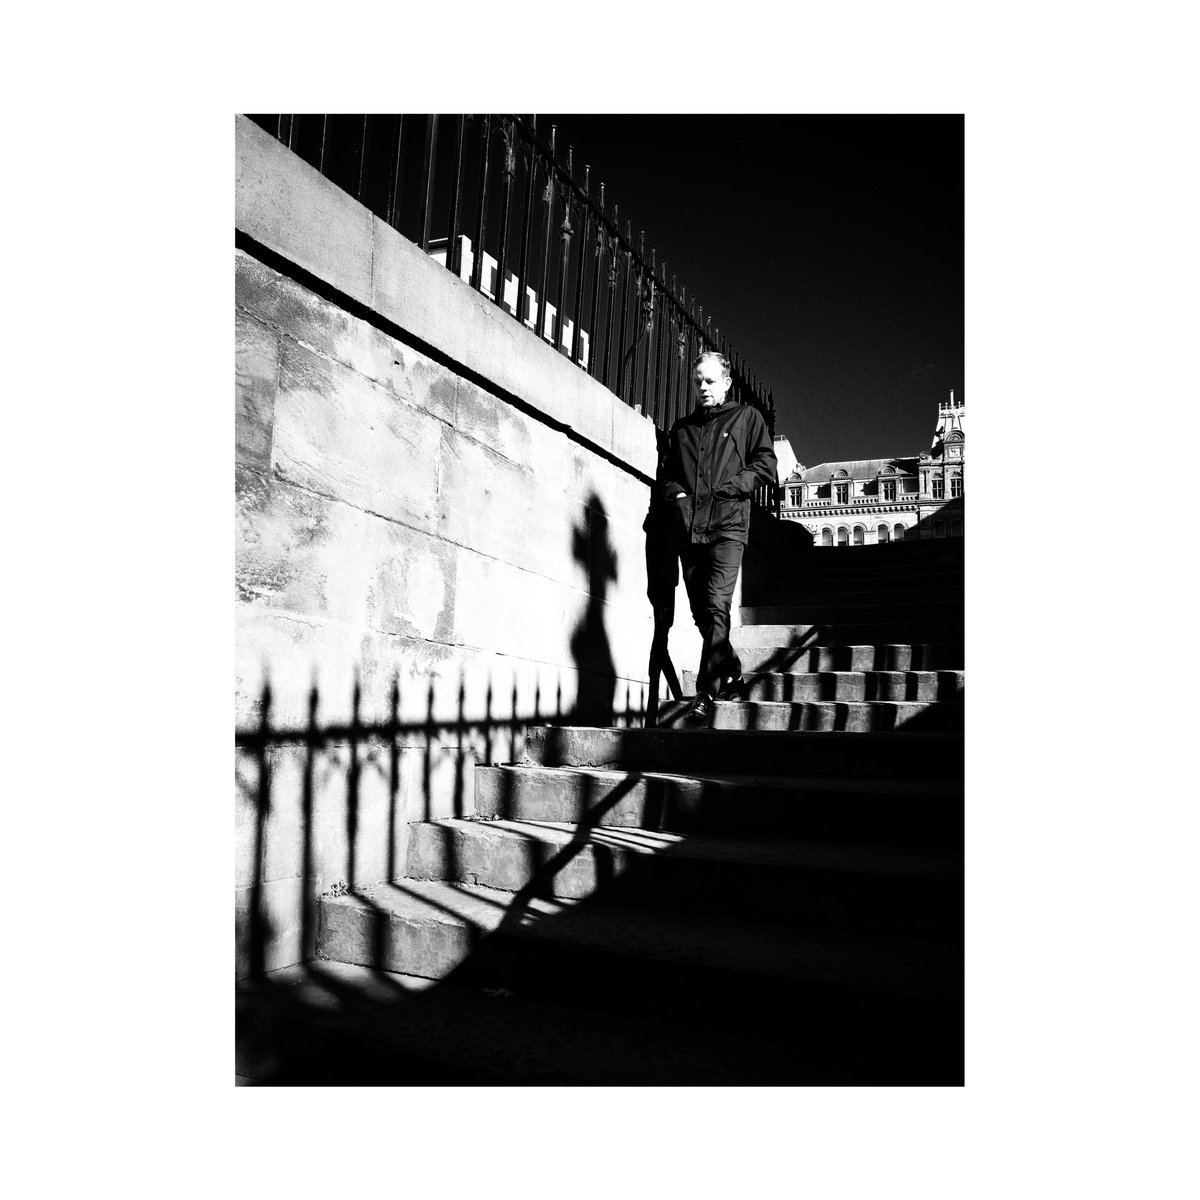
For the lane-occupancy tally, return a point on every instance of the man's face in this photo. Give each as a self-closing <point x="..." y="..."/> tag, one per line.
<point x="709" y="383"/>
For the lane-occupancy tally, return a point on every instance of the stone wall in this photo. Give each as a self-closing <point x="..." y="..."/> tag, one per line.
<point x="438" y="543"/>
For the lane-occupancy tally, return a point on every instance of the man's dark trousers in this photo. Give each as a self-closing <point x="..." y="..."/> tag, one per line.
<point x="710" y="571"/>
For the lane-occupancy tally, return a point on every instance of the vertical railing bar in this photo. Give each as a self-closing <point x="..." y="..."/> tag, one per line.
<point x="681" y="346"/>
<point x="598" y="262"/>
<point x="613" y="271"/>
<point x="396" y="180"/>
<point x="624" y="309"/>
<point x="361" y="161"/>
<point x="427" y="172"/>
<point x="564" y="262"/>
<point x="509" y="171"/>
<point x="453" y="253"/>
<point x="547" y="221"/>
<point x="660" y="284"/>
<point x="581" y="264"/>
<point x="485" y="145"/>
<point x="526" y="231"/>
<point x="646" y="333"/>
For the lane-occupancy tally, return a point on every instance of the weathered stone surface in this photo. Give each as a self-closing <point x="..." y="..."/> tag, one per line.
<point x="280" y="914"/>
<point x="634" y="440"/>
<point x="290" y="207"/>
<point x="343" y="436"/>
<point x="307" y="554"/>
<point x="495" y="506"/>
<point x="324" y="327"/>
<point x="256" y="367"/>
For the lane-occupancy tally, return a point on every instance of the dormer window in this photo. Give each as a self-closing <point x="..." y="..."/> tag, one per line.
<point x="956" y="485"/>
<point x="939" y="487"/>
<point x="841" y="493"/>
<point x="889" y="489"/>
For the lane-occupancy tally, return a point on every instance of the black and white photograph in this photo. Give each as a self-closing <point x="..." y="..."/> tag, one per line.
<point x="600" y="586"/>
<point x="488" y="650"/>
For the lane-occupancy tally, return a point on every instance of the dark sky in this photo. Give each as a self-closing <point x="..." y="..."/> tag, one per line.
<point x="828" y="249"/>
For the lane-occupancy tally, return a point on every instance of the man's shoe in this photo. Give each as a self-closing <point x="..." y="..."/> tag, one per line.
<point x="734" y="689"/>
<point x="700" y="713"/>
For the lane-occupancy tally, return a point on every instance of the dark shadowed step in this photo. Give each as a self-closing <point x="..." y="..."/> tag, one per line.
<point x="847" y="685"/>
<point x="771" y="879"/>
<point x="829" y="716"/>
<point x="872" y="811"/>
<point x="331" y="1023"/>
<point x="807" y="633"/>
<point x="897" y="755"/>
<point x="839" y="987"/>
<point x="802" y="657"/>
<point x="875" y="611"/>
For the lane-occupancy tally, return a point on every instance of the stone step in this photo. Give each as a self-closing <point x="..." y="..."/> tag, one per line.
<point x="331" y="1024"/>
<point x="839" y="592"/>
<point x="843" y="988"/>
<point x="919" y="811"/>
<point x="771" y="879"/>
<point x="904" y="656"/>
<point x="847" y="633"/>
<point x="878" y="610"/>
<point x="824" y="716"/>
<point x="846" y="685"/>
<point x="899" y="755"/>
<point x="854" y="567"/>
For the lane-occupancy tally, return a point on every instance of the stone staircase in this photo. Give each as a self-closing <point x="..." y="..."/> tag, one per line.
<point x="775" y="900"/>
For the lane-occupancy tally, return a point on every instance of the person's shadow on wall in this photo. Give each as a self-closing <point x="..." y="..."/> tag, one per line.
<point x="590" y="648"/>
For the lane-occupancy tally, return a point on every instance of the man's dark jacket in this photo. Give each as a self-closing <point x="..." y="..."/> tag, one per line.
<point x="716" y="457"/>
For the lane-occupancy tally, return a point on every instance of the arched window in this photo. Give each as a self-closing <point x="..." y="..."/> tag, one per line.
<point x="859" y="535"/>
<point x="826" y="536"/>
<point x="843" y="536"/>
<point x="898" y="530"/>
<point x="956" y="529"/>
<point x="883" y="534"/>
<point x="939" y="529"/>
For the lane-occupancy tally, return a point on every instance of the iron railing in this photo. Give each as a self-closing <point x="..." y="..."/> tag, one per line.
<point x="489" y="197"/>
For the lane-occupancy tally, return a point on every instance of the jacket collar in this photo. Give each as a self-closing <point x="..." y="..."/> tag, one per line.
<point x="705" y="415"/>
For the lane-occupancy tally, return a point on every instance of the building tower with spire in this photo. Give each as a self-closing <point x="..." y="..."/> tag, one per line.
<point x="877" y="500"/>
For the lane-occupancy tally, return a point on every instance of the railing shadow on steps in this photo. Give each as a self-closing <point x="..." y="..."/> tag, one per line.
<point x="366" y="747"/>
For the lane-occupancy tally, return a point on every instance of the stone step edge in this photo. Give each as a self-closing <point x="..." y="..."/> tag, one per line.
<point x="885" y="964"/>
<point x="783" y="853"/>
<point x="936" y="788"/>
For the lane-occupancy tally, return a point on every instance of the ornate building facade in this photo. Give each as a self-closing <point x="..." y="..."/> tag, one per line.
<point x="878" y="500"/>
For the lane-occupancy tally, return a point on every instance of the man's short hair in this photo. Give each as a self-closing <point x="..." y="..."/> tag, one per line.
<point x="713" y="354"/>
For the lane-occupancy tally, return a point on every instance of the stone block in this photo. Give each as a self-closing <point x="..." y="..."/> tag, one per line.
<point x="360" y="819"/>
<point x="270" y="915"/>
<point x="633" y="440"/>
<point x="502" y="608"/>
<point x="319" y="325"/>
<point x="290" y="207"/>
<point x="256" y="372"/>
<point x="343" y="436"/>
<point x="303" y="553"/>
<point x="496" y="507"/>
<point x="438" y="782"/>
